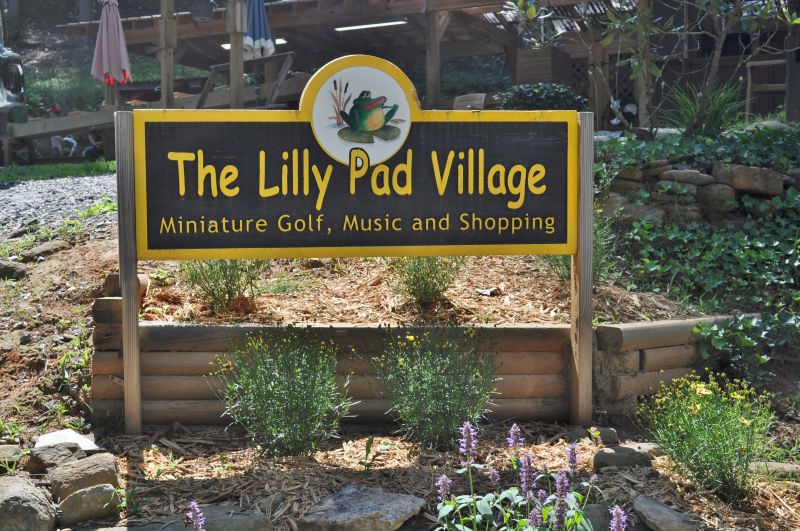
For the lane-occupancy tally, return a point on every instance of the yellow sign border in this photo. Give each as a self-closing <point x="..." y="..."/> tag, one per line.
<point x="144" y="116"/>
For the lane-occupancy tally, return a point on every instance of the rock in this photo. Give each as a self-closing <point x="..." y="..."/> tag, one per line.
<point x="660" y="517"/>
<point x="10" y="454"/>
<point x="613" y="203"/>
<point x="655" y="164"/>
<point x="675" y="188"/>
<point x="776" y="469"/>
<point x="97" y="469"/>
<point x="759" y="181"/>
<point x="598" y="515"/>
<point x="47" y="457"/>
<point x="62" y="436"/>
<point x="24" y="506"/>
<point x="577" y="434"/>
<point x="633" y="212"/>
<point x="620" y="456"/>
<point x="759" y="208"/>
<point x="622" y="185"/>
<point x="355" y="508"/>
<point x="687" y="176"/>
<point x="92" y="503"/>
<point x="608" y="436"/>
<point x="772" y="125"/>
<point x="12" y="270"/>
<point x="44" y="249"/>
<point x="718" y="197"/>
<point x="218" y="518"/>
<point x="656" y="171"/>
<point x="650" y="448"/>
<point x="671" y="199"/>
<point x="630" y="174"/>
<point x="687" y="213"/>
<point x="31" y="226"/>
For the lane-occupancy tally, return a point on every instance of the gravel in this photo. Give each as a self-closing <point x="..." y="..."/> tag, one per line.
<point x="53" y="201"/>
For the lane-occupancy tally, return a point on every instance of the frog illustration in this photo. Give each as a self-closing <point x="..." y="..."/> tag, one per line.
<point x="369" y="117"/>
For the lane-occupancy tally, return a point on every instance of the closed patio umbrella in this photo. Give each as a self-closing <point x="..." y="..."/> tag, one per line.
<point x="111" y="64"/>
<point x="257" y="40"/>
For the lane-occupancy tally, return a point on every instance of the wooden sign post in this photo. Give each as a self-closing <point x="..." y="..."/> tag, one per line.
<point x="359" y="170"/>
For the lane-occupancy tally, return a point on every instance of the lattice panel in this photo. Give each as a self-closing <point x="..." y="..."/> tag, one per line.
<point x="579" y="76"/>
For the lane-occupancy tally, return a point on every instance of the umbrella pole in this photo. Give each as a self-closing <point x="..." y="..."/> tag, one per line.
<point x="167" y="42"/>
<point x="237" y="26"/>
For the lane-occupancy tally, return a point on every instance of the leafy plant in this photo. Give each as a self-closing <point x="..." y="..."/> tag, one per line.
<point x="104" y="206"/>
<point x="424" y="279"/>
<point x="604" y="263"/>
<point x="538" y="501"/>
<point x="220" y="282"/>
<point x="540" y="97"/>
<point x="711" y="430"/>
<point x="51" y="171"/>
<point x="723" y="108"/>
<point x="435" y="380"/>
<point x="281" y="386"/>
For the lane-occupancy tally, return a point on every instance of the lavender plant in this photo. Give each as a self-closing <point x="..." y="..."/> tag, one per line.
<point x="539" y="501"/>
<point x="195" y="518"/>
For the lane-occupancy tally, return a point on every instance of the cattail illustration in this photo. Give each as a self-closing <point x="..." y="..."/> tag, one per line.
<point x="340" y="100"/>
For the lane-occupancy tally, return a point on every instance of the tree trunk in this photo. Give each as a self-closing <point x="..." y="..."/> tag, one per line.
<point x="86" y="14"/>
<point x="792" y="101"/>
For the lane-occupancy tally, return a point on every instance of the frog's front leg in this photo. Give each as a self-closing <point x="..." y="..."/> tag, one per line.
<point x="390" y="113"/>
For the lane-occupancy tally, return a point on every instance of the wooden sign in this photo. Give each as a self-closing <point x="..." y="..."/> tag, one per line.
<point x="358" y="170"/>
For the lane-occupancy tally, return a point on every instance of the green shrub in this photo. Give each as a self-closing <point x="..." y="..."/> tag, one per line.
<point x="281" y="387"/>
<point x="604" y="262"/>
<point x="712" y="430"/>
<point x="220" y="282"/>
<point x="424" y="279"/>
<point x="724" y="108"/>
<point x="436" y="380"/>
<point x="541" y="97"/>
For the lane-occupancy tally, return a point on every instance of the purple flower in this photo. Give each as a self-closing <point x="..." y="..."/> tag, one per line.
<point x="443" y="484"/>
<point x="195" y="517"/>
<point x="562" y="485"/>
<point x="527" y="475"/>
<point x="535" y="518"/>
<point x="542" y="496"/>
<point x="515" y="438"/>
<point x="562" y="488"/>
<point x="494" y="476"/>
<point x="593" y="479"/>
<point x="572" y="458"/>
<point x="618" y="519"/>
<point x="468" y="444"/>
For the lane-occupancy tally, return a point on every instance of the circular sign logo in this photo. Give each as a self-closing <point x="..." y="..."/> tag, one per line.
<point x="361" y="107"/>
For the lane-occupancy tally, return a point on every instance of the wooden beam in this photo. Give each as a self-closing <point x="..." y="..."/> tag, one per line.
<point x="483" y="30"/>
<point x="437" y="24"/>
<point x="61" y="125"/>
<point x="237" y="27"/>
<point x="581" y="281"/>
<point x="167" y="42"/>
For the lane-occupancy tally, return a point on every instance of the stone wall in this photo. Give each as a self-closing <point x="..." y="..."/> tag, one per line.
<point x="661" y="191"/>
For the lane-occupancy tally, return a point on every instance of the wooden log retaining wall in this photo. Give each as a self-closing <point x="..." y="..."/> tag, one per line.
<point x="630" y="360"/>
<point x="175" y="358"/>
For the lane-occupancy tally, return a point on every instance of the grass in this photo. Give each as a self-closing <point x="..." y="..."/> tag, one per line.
<point x="104" y="206"/>
<point x="287" y="284"/>
<point x="54" y="171"/>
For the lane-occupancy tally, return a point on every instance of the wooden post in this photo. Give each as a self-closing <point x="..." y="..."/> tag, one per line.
<point x="791" y="103"/>
<point x="129" y="282"/>
<point x="581" y="281"/>
<point x="237" y="26"/>
<point x="167" y="42"/>
<point x="437" y="24"/>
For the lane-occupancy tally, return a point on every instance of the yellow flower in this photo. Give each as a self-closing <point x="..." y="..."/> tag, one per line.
<point x="701" y="390"/>
<point x="744" y="422"/>
<point x="737" y="395"/>
<point x="695" y="408"/>
<point x="410" y="338"/>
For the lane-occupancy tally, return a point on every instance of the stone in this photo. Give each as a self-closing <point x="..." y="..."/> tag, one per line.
<point x="613" y="204"/>
<point x="776" y="469"/>
<point x="44" y="249"/>
<point x="620" y="456"/>
<point x="655" y="164"/>
<point x="599" y="515"/>
<point x="577" y="434"/>
<point x="759" y="181"/>
<point x="9" y="455"/>
<point x="630" y="174"/>
<point x="46" y="457"/>
<point x="771" y="125"/>
<point x="12" y="270"/>
<point x="675" y="188"/>
<point x="92" y="503"/>
<point x="656" y="171"/>
<point x="623" y="185"/>
<point x="687" y="213"/>
<point x="355" y="508"/>
<point x="62" y="436"/>
<point x="660" y="517"/>
<point x="218" y="518"/>
<point x="718" y="197"/>
<point x="650" y="448"/>
<point x="668" y="198"/>
<point x="634" y="212"/>
<point x="608" y="436"/>
<point x="758" y="208"/>
<point x="68" y="478"/>
<point x="687" y="176"/>
<point x="24" y="506"/>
